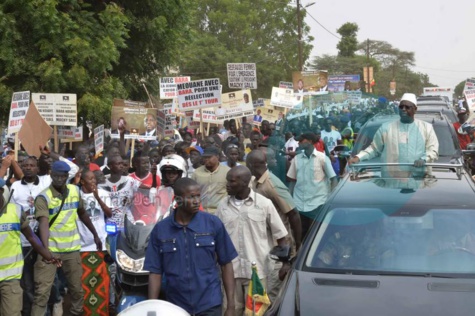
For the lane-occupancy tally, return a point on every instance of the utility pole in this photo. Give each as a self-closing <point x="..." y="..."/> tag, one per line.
<point x="299" y="26"/>
<point x="368" y="90"/>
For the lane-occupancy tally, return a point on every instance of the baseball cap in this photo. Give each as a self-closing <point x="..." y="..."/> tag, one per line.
<point x="194" y="148"/>
<point x="211" y="151"/>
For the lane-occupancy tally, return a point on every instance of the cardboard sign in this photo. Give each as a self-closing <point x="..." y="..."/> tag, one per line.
<point x="354" y="97"/>
<point x="34" y="132"/>
<point x="209" y="116"/>
<point x="139" y="122"/>
<point x="199" y="94"/>
<point x="161" y="122"/>
<point x="235" y="104"/>
<point x="284" y="98"/>
<point x="168" y="86"/>
<point x="71" y="133"/>
<point x="469" y="85"/>
<point x="242" y="76"/>
<point x="190" y="121"/>
<point x="18" y="109"/>
<point x="257" y="103"/>
<point x="57" y="108"/>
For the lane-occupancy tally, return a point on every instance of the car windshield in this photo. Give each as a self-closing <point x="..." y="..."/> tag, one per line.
<point x="370" y="241"/>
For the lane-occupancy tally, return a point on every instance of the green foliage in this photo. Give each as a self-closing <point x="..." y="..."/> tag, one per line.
<point x="348" y="43"/>
<point x="459" y="88"/>
<point x="259" y="31"/>
<point x="99" y="50"/>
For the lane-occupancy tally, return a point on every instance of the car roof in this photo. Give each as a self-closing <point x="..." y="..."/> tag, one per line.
<point x="446" y="189"/>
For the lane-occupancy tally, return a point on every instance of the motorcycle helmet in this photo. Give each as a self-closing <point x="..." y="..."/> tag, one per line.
<point x="173" y="162"/>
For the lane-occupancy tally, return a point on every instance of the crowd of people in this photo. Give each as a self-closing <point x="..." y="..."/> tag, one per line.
<point x="222" y="200"/>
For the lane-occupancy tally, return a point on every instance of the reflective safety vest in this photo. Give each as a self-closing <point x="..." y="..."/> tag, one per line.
<point x="11" y="257"/>
<point x="63" y="234"/>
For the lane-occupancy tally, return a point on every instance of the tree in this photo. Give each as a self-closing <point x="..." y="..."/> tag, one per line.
<point x="458" y="91"/>
<point x="85" y="47"/>
<point x="258" y="31"/>
<point x="348" y="42"/>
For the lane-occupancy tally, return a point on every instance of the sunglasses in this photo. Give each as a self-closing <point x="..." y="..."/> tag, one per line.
<point x="407" y="107"/>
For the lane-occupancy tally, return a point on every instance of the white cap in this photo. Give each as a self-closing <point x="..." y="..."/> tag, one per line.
<point x="411" y="97"/>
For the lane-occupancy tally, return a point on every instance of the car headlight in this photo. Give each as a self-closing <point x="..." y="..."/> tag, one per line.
<point x="129" y="264"/>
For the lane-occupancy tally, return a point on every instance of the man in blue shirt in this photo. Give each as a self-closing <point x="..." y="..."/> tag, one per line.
<point x="185" y="248"/>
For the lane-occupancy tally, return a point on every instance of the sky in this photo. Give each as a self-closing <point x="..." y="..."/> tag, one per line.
<point x="440" y="33"/>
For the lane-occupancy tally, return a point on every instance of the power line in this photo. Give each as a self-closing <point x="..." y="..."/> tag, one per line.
<point x="321" y="25"/>
<point x="445" y="69"/>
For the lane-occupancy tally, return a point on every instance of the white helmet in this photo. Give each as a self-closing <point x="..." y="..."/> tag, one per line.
<point x="174" y="162"/>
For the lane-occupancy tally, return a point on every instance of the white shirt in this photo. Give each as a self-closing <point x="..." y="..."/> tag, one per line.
<point x="96" y="214"/>
<point x="330" y="139"/>
<point x="291" y="145"/>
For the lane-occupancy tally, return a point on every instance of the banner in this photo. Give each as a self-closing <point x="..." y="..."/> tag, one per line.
<point x="34" y="131"/>
<point x="168" y="86"/>
<point x="344" y="83"/>
<point x="57" y="108"/>
<point x="242" y="76"/>
<point x="99" y="139"/>
<point x="139" y="122"/>
<point x="284" y="98"/>
<point x="70" y="133"/>
<point x="309" y="82"/>
<point x="18" y="109"/>
<point x="235" y="104"/>
<point x="199" y="94"/>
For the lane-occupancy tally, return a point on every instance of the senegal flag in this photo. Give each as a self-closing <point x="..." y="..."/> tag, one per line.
<point x="257" y="300"/>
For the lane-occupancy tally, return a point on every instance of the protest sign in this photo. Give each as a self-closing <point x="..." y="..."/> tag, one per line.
<point x="286" y="85"/>
<point x="242" y="76"/>
<point x="70" y="133"/>
<point x="353" y="97"/>
<point x="257" y="103"/>
<point x="34" y="131"/>
<point x="99" y="139"/>
<point x="161" y="122"/>
<point x="191" y="122"/>
<point x="199" y="94"/>
<point x="343" y="83"/>
<point x="209" y="116"/>
<point x="235" y="104"/>
<point x="284" y="98"/>
<point x="57" y="108"/>
<point x="268" y="112"/>
<point x="128" y="103"/>
<point x="470" y="98"/>
<point x="18" y="109"/>
<point x="168" y="86"/>
<point x="139" y="122"/>
<point x="469" y="85"/>
<point x="170" y="120"/>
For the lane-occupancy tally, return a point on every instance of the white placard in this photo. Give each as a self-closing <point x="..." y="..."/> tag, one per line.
<point x="168" y="86"/>
<point x="70" y="133"/>
<point x="284" y="98"/>
<point x="199" y="94"/>
<point x="235" y="104"/>
<point x="99" y="139"/>
<point x="242" y="75"/>
<point x="470" y="98"/>
<point x="57" y="108"/>
<point x="209" y="116"/>
<point x="18" y="109"/>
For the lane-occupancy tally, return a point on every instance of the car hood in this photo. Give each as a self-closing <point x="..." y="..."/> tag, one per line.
<point x="334" y="294"/>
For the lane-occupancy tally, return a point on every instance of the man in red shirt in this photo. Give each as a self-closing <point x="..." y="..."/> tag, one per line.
<point x="144" y="205"/>
<point x="463" y="137"/>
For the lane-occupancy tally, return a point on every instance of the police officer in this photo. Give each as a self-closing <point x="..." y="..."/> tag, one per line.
<point x="62" y="238"/>
<point x="12" y="222"/>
